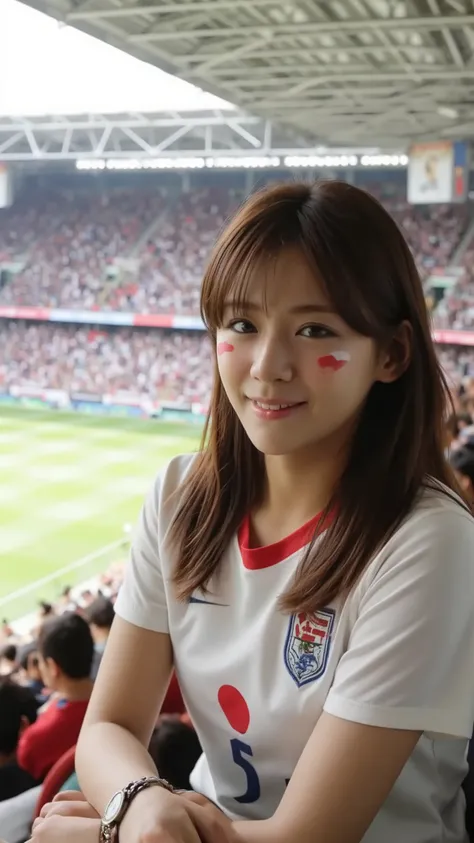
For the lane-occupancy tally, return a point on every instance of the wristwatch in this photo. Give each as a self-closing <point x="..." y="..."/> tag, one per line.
<point x="120" y="802"/>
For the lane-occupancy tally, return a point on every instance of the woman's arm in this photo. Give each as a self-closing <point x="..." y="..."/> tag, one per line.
<point x="344" y="775"/>
<point x="130" y="688"/>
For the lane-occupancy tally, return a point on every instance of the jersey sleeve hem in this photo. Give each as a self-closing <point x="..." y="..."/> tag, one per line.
<point x="432" y="720"/>
<point x="136" y="617"/>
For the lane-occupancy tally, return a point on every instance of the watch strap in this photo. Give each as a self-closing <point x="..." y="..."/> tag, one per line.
<point x="107" y="829"/>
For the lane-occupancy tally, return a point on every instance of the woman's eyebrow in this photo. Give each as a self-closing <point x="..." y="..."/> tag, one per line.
<point x="299" y="308"/>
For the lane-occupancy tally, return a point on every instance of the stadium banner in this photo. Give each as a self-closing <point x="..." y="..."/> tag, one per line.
<point x="153" y="320"/>
<point x="447" y="337"/>
<point x="438" y="172"/>
<point x="122" y="319"/>
<point x="42" y="314"/>
<point x="92" y="317"/>
<point x="6" y="186"/>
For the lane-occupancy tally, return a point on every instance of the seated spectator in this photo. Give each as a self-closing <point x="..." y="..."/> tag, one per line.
<point x="462" y="461"/>
<point x="30" y="674"/>
<point x="66" y="651"/>
<point x="66" y="602"/>
<point x="18" y="709"/>
<point x="8" y="660"/>
<point x="46" y="610"/>
<point x="5" y="630"/>
<point x="100" y="615"/>
<point x="175" y="749"/>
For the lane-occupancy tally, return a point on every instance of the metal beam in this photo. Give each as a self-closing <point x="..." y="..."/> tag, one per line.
<point x="325" y="78"/>
<point x="168" y="9"/>
<point x="341" y="27"/>
<point x="224" y="56"/>
<point x="197" y="57"/>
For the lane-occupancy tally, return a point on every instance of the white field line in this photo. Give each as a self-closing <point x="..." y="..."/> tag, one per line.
<point x="79" y="563"/>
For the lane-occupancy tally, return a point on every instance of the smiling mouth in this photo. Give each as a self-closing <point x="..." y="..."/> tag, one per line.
<point x="263" y="405"/>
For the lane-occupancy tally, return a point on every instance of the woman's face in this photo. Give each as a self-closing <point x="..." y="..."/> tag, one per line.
<point x="295" y="373"/>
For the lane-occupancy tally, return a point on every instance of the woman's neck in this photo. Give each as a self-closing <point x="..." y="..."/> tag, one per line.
<point x="297" y="489"/>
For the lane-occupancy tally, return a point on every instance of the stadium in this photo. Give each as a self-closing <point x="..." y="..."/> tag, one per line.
<point x="147" y="127"/>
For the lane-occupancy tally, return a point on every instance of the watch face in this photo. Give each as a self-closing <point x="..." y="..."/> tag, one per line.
<point x="114" y="807"/>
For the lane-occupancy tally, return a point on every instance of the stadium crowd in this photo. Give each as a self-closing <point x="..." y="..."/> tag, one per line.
<point x="143" y="250"/>
<point x="158" y="365"/>
<point x="46" y="680"/>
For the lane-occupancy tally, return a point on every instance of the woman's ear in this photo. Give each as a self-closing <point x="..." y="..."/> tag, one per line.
<point x="396" y="357"/>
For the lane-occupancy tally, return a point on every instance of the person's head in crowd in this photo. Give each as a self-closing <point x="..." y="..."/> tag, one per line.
<point x="175" y="749"/>
<point x="46" y="610"/>
<point x="462" y="462"/>
<point x="30" y="670"/>
<point x="86" y="598"/>
<point x="66" y="602"/>
<point x="66" y="650"/>
<point x="463" y="420"/>
<point x="100" y="615"/>
<point x="8" y="660"/>
<point x="18" y="709"/>
<point x="5" y="631"/>
<point x="451" y="431"/>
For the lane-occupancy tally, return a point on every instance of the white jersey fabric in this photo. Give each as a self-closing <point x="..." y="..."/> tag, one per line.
<point x="398" y="653"/>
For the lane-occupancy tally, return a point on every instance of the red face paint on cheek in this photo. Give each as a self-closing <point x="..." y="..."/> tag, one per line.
<point x="334" y="361"/>
<point x="222" y="347"/>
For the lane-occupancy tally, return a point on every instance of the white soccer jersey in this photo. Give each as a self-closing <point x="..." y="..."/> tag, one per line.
<point x="399" y="653"/>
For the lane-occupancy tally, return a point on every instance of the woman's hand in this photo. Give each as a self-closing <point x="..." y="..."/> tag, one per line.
<point x="56" y="828"/>
<point x="68" y="803"/>
<point x="157" y="816"/>
<point x="186" y="817"/>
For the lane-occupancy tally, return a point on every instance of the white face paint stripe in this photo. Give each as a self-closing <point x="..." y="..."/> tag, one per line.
<point x="341" y="355"/>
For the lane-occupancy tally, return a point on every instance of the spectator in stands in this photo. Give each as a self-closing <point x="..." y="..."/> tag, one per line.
<point x="46" y="610"/>
<point x="8" y="660"/>
<point x="6" y="630"/>
<point x="175" y="749"/>
<point x="66" y="651"/>
<point x="66" y="601"/>
<point x="100" y="615"/>
<point x="18" y="709"/>
<point x="462" y="461"/>
<point x="30" y="675"/>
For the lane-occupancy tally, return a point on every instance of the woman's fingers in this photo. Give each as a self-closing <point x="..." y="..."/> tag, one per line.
<point x="57" y="829"/>
<point x="70" y="795"/>
<point x="209" y="821"/>
<point x="69" y="809"/>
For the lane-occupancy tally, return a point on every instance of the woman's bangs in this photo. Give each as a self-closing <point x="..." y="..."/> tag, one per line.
<point x="229" y="278"/>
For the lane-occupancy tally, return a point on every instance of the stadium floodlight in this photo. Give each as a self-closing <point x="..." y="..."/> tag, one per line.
<point x="321" y="161"/>
<point x="242" y="162"/>
<point x="384" y="160"/>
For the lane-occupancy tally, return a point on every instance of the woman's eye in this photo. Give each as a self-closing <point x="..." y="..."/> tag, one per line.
<point x="319" y="332"/>
<point x="242" y="326"/>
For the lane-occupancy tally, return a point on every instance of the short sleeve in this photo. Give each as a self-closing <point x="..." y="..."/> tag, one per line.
<point x="410" y="658"/>
<point x="142" y="597"/>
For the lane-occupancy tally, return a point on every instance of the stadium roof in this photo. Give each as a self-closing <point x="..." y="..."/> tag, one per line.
<point x="361" y="72"/>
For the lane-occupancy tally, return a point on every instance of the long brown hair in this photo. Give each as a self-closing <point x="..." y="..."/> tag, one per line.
<point x="373" y="283"/>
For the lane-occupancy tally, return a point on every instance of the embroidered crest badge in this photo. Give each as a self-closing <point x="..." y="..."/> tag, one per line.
<point x="307" y="645"/>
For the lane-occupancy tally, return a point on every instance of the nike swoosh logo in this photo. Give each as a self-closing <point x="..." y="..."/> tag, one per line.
<point x="206" y="602"/>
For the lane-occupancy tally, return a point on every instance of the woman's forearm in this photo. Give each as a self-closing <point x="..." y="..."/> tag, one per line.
<point x="108" y="758"/>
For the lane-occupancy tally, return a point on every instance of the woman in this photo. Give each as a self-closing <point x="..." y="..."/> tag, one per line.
<point x="309" y="572"/>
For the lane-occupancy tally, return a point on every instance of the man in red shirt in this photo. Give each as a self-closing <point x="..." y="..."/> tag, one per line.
<point x="66" y="651"/>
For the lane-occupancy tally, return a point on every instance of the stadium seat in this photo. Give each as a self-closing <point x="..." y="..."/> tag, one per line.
<point x="55" y="779"/>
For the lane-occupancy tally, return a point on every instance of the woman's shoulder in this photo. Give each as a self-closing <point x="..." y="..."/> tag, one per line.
<point x="164" y="493"/>
<point x="436" y="535"/>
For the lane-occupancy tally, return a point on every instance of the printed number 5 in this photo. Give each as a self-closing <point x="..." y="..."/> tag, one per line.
<point x="239" y="749"/>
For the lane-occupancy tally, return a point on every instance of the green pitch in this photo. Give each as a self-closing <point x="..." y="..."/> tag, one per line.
<point x="69" y="484"/>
